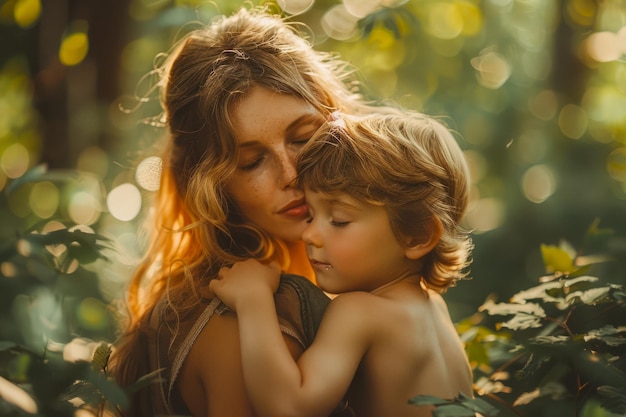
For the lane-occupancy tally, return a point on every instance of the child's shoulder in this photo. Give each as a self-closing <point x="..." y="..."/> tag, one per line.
<point x="373" y="307"/>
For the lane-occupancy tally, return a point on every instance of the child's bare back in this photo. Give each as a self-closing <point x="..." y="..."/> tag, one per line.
<point x="414" y="350"/>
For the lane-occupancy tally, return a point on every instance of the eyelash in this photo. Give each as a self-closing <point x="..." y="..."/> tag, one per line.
<point x="333" y="223"/>
<point x="256" y="163"/>
<point x="252" y="165"/>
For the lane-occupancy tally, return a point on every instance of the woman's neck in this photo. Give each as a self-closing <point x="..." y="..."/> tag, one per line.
<point x="299" y="263"/>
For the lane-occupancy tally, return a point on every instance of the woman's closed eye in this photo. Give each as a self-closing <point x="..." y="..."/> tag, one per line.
<point x="301" y="142"/>
<point x="252" y="164"/>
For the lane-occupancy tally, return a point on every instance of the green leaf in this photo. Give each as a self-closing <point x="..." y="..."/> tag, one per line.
<point x="557" y="259"/>
<point x="553" y="390"/>
<point x="40" y="173"/>
<point x="505" y="309"/>
<point x="101" y="356"/>
<point x="427" y="400"/>
<point x="613" y="398"/>
<point x="522" y="322"/>
<point x="480" y="406"/>
<point x="526" y="316"/>
<point x="453" y="410"/>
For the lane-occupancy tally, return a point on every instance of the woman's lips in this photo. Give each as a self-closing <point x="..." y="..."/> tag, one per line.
<point x="295" y="209"/>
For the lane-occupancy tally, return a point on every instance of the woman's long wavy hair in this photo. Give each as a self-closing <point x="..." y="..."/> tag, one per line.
<point x="407" y="162"/>
<point x="195" y="228"/>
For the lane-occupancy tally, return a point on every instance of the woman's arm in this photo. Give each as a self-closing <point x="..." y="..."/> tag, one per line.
<point x="211" y="380"/>
<point x="278" y="385"/>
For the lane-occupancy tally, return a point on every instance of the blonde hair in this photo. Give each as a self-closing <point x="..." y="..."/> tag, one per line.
<point x="195" y="227"/>
<point x="410" y="164"/>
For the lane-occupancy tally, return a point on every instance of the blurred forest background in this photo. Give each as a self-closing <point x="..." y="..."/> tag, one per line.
<point x="536" y="90"/>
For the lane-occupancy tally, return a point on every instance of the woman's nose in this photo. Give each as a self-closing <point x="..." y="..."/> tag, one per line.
<point x="287" y="168"/>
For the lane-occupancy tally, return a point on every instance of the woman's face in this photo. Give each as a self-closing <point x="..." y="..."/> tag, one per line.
<point x="271" y="128"/>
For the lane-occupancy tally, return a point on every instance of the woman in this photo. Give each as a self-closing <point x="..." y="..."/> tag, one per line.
<point x="240" y="98"/>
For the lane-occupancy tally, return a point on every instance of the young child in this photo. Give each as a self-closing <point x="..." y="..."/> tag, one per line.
<point x="386" y="194"/>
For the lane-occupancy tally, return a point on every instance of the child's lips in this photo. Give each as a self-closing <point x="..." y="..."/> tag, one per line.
<point x="318" y="265"/>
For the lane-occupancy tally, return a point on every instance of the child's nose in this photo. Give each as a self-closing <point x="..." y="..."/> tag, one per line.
<point x="310" y="236"/>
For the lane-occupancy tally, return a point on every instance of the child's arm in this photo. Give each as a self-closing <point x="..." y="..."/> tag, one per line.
<point x="278" y="386"/>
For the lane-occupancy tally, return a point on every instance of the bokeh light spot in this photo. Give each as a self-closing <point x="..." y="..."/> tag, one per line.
<point x="538" y="183"/>
<point x="603" y="46"/>
<point x="295" y="6"/>
<point x="26" y="12"/>
<point x="44" y="199"/>
<point x="582" y="12"/>
<point x="18" y="201"/>
<point x="445" y="20"/>
<point x="484" y="215"/>
<point x="83" y="208"/>
<point x="93" y="159"/>
<point x="361" y="8"/>
<point x="15" y="160"/>
<point x="573" y="121"/>
<point x="544" y="105"/>
<point x="616" y="164"/>
<point x="148" y="173"/>
<point x="492" y="69"/>
<point x="338" y="23"/>
<point x="91" y="314"/>
<point x="477" y="164"/>
<point x="8" y="269"/>
<point x="605" y="104"/>
<point x="74" y="48"/>
<point x="472" y="18"/>
<point x="124" y="202"/>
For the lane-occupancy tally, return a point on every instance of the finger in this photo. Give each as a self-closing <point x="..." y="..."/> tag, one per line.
<point x="214" y="285"/>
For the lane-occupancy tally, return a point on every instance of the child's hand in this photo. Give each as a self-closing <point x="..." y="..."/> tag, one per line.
<point x="245" y="281"/>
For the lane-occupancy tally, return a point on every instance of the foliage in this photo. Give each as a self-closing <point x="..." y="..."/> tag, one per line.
<point x="49" y="303"/>
<point x="557" y="348"/>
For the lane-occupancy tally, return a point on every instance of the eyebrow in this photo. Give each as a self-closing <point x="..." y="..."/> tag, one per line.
<point x="334" y="202"/>
<point x="303" y="119"/>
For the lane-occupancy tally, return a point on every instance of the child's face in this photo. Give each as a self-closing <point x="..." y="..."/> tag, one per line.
<point x="350" y="244"/>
